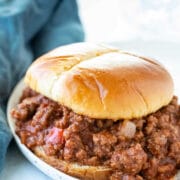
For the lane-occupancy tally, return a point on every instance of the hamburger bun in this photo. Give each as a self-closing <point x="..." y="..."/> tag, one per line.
<point x="74" y="169"/>
<point x="80" y="171"/>
<point x="101" y="82"/>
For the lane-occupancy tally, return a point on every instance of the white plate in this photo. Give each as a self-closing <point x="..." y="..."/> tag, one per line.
<point x="44" y="167"/>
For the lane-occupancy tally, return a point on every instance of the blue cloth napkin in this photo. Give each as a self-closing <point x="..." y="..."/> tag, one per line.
<point x="29" y="28"/>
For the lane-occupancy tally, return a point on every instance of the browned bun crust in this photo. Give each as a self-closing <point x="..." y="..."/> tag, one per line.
<point x="101" y="82"/>
<point x="74" y="169"/>
<point x="80" y="171"/>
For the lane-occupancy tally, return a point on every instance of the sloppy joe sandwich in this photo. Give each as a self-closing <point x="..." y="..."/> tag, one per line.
<point x="97" y="112"/>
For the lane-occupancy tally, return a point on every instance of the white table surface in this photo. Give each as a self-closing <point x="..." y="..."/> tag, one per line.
<point x="17" y="167"/>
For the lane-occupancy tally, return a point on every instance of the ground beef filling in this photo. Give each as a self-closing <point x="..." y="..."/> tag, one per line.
<point x="149" y="148"/>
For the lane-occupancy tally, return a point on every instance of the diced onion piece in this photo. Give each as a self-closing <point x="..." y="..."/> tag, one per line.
<point x="128" y="129"/>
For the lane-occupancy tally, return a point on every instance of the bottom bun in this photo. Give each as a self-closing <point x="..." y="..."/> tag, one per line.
<point x="74" y="169"/>
<point x="80" y="171"/>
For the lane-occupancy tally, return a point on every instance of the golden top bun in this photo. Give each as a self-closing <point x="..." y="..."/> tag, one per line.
<point x="101" y="82"/>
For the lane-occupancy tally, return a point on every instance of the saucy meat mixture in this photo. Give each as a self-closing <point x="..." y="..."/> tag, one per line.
<point x="146" y="148"/>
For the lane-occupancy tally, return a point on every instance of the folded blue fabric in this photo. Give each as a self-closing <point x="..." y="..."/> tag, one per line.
<point x="28" y="29"/>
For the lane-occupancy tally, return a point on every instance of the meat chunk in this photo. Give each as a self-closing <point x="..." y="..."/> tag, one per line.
<point x="158" y="143"/>
<point x="130" y="160"/>
<point x="152" y="122"/>
<point x="26" y="108"/>
<point x="28" y="92"/>
<point x="166" y="169"/>
<point x="150" y="168"/>
<point x="103" y="143"/>
<point x="42" y="116"/>
<point x="74" y="149"/>
<point x="175" y="151"/>
<point x="139" y="123"/>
